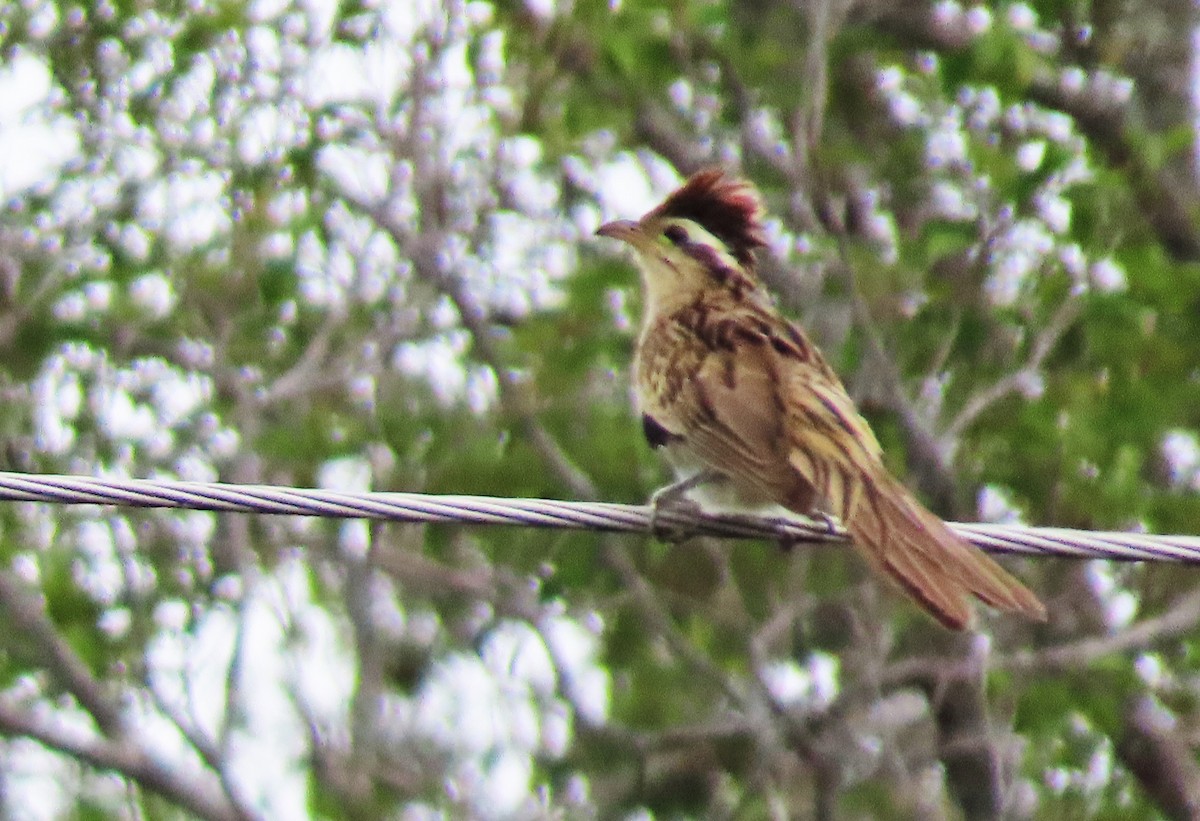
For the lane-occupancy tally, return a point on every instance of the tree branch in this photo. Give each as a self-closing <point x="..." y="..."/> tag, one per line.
<point x="1043" y="344"/>
<point x="1178" y="618"/>
<point x="30" y="623"/>
<point x="1159" y="759"/>
<point x="191" y="793"/>
<point x="1167" y="202"/>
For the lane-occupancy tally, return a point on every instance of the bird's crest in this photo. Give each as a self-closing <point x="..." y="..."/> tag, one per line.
<point x="726" y="207"/>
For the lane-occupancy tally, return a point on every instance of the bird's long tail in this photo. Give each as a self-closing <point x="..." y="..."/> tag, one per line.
<point x="938" y="569"/>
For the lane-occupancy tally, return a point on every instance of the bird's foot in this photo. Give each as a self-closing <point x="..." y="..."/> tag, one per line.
<point x="788" y="543"/>
<point x="831" y="526"/>
<point x="672" y="532"/>
<point x="672" y="499"/>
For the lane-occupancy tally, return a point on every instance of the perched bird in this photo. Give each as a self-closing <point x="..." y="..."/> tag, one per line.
<point x="738" y="397"/>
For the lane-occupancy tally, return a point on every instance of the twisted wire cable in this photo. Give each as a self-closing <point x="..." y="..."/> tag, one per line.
<point x="550" y="513"/>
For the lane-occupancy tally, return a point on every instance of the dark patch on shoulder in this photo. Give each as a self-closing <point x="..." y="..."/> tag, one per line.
<point x="783" y="337"/>
<point x="656" y="435"/>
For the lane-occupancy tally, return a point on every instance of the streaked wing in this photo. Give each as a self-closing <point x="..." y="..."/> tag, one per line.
<point x="829" y="442"/>
<point x="735" y="420"/>
<point x="773" y="416"/>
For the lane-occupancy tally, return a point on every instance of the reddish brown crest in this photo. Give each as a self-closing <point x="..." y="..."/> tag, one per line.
<point x="728" y="208"/>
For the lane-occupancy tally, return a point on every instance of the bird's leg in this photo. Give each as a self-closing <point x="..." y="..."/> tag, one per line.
<point x="672" y="496"/>
<point x="671" y="493"/>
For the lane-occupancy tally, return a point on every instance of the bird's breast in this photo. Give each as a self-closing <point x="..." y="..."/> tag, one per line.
<point x="665" y="363"/>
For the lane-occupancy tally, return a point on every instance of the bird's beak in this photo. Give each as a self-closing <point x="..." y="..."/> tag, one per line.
<point x="624" y="230"/>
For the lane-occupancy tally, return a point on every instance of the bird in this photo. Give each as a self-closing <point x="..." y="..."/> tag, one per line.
<point x="740" y="400"/>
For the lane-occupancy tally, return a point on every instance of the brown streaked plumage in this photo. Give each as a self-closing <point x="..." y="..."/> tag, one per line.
<point x="730" y="388"/>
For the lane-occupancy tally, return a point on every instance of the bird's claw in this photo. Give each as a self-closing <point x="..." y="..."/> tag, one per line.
<point x="786" y="543"/>
<point x="831" y="528"/>
<point x="671" y="500"/>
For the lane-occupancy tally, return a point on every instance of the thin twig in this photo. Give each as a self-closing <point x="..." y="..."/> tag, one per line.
<point x="1180" y="617"/>
<point x="1013" y="382"/>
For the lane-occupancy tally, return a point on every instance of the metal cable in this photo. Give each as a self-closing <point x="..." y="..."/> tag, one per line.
<point x="550" y="513"/>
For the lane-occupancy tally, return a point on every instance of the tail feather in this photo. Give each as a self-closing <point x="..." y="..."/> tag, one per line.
<point x="934" y="566"/>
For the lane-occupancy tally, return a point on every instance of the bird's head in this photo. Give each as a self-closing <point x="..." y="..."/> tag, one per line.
<point x="702" y="236"/>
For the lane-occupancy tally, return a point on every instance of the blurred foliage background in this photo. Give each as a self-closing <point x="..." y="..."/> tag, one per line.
<point x="349" y="245"/>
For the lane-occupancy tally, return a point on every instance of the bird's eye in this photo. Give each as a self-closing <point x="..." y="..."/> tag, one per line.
<point x="676" y="234"/>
